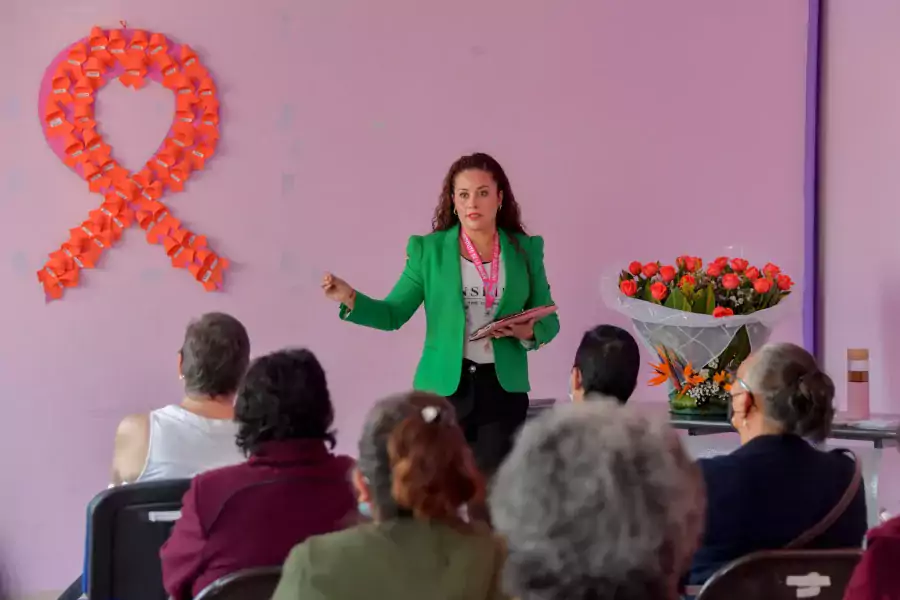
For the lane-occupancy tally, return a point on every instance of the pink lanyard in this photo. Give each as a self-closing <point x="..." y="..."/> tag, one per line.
<point x="490" y="283"/>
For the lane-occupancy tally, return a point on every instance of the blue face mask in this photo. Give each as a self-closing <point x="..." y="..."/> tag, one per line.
<point x="365" y="509"/>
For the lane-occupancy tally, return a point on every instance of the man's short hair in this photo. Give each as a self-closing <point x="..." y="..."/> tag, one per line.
<point x="214" y="355"/>
<point x="609" y="360"/>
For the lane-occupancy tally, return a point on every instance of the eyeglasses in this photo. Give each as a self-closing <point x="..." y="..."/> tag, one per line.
<point x="743" y="384"/>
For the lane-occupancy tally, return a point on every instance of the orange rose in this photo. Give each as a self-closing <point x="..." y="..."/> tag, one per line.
<point x="667" y="273"/>
<point x="722" y="262"/>
<point x="771" y="270"/>
<point x="784" y="282"/>
<point x="698" y="263"/>
<point x="714" y="270"/>
<point x="650" y="269"/>
<point x="752" y="274"/>
<point x="635" y="268"/>
<point x="739" y="265"/>
<point x="690" y="263"/>
<point x="730" y="281"/>
<point x="762" y="286"/>
<point x="687" y="280"/>
<point x="721" y="311"/>
<point x="659" y="291"/>
<point x="681" y="260"/>
<point x="628" y="287"/>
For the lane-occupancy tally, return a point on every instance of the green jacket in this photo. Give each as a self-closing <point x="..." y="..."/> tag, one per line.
<point x="395" y="560"/>
<point x="432" y="275"/>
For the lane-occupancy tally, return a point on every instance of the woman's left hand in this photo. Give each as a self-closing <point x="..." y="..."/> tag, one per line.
<point x="521" y="331"/>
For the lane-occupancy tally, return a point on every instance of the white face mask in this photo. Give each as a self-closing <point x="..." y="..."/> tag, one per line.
<point x="571" y="393"/>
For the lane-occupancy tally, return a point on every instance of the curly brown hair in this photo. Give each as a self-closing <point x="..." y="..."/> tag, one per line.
<point x="508" y="218"/>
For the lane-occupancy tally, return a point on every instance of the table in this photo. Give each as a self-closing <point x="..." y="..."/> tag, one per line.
<point x="879" y="436"/>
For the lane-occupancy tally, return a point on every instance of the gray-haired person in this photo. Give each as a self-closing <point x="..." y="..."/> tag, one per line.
<point x="778" y="491"/>
<point x="598" y="501"/>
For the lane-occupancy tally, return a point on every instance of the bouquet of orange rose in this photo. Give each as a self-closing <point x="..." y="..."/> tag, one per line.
<point x="701" y="322"/>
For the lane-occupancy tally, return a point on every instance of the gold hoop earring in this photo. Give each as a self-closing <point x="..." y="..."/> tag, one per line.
<point x="454" y="212"/>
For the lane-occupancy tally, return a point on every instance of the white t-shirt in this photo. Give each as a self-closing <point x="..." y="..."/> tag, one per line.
<point x="477" y="315"/>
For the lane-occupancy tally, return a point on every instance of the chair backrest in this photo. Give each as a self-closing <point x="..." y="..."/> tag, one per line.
<point x="783" y="575"/>
<point x="250" y="584"/>
<point x="127" y="526"/>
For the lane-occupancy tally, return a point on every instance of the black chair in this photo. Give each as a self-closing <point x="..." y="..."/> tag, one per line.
<point x="782" y="574"/>
<point x="249" y="584"/>
<point x="127" y="526"/>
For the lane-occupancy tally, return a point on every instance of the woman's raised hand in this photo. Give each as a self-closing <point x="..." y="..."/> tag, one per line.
<point x="338" y="290"/>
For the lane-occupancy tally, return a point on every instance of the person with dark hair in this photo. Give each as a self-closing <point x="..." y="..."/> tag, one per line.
<point x="292" y="486"/>
<point x="180" y="440"/>
<point x="606" y="366"/>
<point x="416" y="475"/>
<point x="476" y="266"/>
<point x="777" y="491"/>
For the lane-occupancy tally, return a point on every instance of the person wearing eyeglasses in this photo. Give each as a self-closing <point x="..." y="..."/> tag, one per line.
<point x="778" y="490"/>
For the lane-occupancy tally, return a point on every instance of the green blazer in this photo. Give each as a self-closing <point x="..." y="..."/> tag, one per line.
<point x="432" y="275"/>
<point x="404" y="559"/>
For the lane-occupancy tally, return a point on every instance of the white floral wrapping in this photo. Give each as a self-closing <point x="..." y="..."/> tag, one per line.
<point x="696" y="338"/>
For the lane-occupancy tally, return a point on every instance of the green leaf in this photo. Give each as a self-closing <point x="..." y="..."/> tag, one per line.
<point x="648" y="295"/>
<point x="736" y="352"/>
<point x="677" y="301"/>
<point x="701" y="300"/>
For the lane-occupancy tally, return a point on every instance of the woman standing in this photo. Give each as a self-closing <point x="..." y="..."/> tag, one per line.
<point x="477" y="265"/>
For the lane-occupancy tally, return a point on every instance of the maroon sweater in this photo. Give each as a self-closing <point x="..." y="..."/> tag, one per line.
<point x="877" y="576"/>
<point x="252" y="514"/>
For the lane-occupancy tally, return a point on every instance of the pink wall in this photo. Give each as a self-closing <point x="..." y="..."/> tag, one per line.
<point x="860" y="210"/>
<point x="861" y="131"/>
<point x="624" y="127"/>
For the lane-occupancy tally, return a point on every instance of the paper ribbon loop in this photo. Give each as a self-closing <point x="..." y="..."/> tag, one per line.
<point x="98" y="45"/>
<point x="70" y="125"/>
<point x="209" y="271"/>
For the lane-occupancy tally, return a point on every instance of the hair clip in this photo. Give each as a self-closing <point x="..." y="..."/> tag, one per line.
<point x="430" y="413"/>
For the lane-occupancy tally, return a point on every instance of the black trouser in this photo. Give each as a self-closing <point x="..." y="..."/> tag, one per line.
<point x="488" y="415"/>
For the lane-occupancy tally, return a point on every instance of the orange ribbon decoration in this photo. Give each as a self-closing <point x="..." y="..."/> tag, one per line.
<point x="131" y="56"/>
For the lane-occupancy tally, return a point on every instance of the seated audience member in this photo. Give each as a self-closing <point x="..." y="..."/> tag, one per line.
<point x="180" y="440"/>
<point x="597" y="502"/>
<point x="776" y="487"/>
<point x="606" y="365"/>
<point x="416" y="473"/>
<point x="876" y="576"/>
<point x="292" y="486"/>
